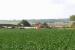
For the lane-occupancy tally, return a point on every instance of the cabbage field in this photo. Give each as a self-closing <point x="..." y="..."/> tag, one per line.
<point x="31" y="39"/>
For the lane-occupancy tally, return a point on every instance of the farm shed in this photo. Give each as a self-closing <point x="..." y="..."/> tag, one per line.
<point x="8" y="24"/>
<point x="58" y="24"/>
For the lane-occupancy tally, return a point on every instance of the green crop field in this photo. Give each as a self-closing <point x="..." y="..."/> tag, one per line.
<point x="31" y="39"/>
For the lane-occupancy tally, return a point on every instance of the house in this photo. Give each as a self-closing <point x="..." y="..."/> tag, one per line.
<point x="38" y="25"/>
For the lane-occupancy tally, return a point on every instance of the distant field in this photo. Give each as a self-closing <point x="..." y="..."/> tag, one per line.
<point x="31" y="39"/>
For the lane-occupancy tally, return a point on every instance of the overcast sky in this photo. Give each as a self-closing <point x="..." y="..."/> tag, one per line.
<point x="36" y="9"/>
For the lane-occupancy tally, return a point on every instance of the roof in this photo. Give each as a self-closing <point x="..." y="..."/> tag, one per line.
<point x="9" y="22"/>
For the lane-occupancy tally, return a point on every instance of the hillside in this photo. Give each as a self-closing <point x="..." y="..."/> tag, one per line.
<point x="32" y="21"/>
<point x="49" y="20"/>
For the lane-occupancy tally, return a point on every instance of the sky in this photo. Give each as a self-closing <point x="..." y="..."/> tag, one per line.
<point x="36" y="9"/>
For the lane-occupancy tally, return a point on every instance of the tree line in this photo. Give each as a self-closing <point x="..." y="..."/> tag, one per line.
<point x="25" y="23"/>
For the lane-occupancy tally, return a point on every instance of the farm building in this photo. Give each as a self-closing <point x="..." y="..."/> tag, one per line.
<point x="58" y="24"/>
<point x="38" y="25"/>
<point x="8" y="24"/>
<point x="11" y="24"/>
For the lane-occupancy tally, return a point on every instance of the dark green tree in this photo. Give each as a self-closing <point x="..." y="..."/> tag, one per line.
<point x="24" y="23"/>
<point x="72" y="20"/>
<point x="45" y="25"/>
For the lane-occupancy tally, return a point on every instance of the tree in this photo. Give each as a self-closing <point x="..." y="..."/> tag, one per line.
<point x="24" y="23"/>
<point x="72" y="21"/>
<point x="72" y="18"/>
<point x="45" y="25"/>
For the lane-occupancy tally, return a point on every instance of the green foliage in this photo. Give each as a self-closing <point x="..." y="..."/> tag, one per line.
<point x="72" y="18"/>
<point x="30" y="39"/>
<point x="45" y="25"/>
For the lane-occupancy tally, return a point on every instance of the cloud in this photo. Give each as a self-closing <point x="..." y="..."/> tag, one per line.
<point x="36" y="9"/>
